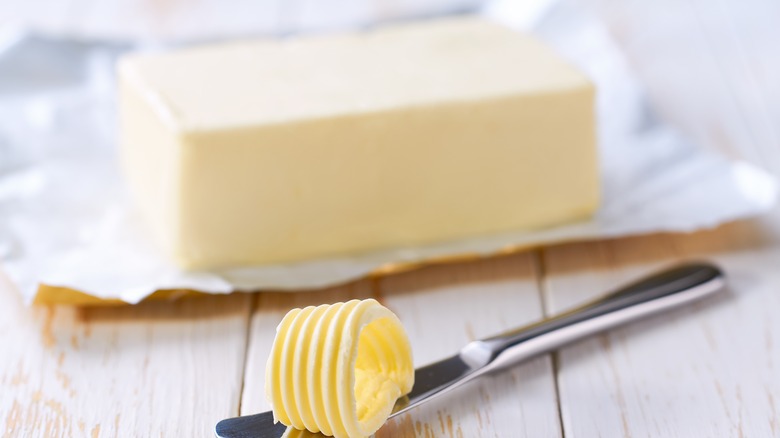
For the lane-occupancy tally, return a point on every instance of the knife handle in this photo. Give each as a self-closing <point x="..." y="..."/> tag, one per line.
<point x="661" y="291"/>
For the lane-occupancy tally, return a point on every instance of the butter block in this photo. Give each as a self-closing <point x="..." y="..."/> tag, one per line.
<point x="272" y="151"/>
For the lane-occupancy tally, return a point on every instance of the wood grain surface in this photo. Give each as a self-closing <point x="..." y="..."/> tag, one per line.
<point x="705" y="370"/>
<point x="165" y="369"/>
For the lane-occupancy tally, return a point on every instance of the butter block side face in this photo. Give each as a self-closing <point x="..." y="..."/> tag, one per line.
<point x="150" y="155"/>
<point x="413" y="135"/>
<point x="406" y="177"/>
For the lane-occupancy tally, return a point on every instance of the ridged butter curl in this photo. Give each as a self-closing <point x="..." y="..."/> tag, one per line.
<point x="338" y="369"/>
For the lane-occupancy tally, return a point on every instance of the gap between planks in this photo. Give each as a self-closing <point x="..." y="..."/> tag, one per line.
<point x="247" y="339"/>
<point x="541" y="278"/>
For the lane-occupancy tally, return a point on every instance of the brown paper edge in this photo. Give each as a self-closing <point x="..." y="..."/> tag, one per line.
<point x="57" y="295"/>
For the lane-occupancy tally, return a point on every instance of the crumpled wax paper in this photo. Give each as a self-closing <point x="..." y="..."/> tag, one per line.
<point x="66" y="223"/>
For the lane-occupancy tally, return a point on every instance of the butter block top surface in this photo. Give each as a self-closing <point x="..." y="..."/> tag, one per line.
<point x="277" y="81"/>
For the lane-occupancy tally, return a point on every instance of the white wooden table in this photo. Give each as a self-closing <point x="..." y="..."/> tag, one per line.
<point x="711" y="369"/>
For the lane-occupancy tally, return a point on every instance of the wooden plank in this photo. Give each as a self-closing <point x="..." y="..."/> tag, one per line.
<point x="706" y="370"/>
<point x="443" y="308"/>
<point x="156" y="369"/>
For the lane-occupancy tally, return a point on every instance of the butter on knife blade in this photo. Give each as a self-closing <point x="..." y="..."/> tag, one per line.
<point x="338" y="369"/>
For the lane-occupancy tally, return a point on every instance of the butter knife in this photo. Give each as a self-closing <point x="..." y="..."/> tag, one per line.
<point x="664" y="290"/>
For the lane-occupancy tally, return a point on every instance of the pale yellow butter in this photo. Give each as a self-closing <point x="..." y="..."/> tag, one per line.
<point x="274" y="151"/>
<point x="338" y="369"/>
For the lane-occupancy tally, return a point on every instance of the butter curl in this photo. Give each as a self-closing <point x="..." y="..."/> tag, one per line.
<point x="338" y="369"/>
